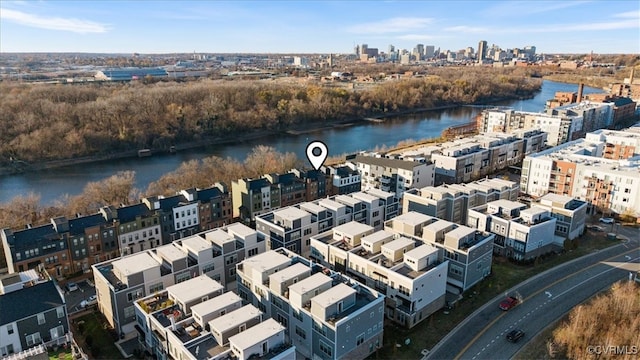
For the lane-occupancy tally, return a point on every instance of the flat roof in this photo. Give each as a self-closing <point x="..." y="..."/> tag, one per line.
<point x="557" y="198"/>
<point x="312" y="282"/>
<point x="240" y="229"/>
<point x="507" y="204"/>
<point x="311" y="207"/>
<point x="170" y="252"/>
<point x="135" y="263"/>
<point x="379" y="193"/>
<point x="218" y="236"/>
<point x="330" y="204"/>
<point x="290" y="272"/>
<point x="376" y="236"/>
<point x="235" y="318"/>
<point x="290" y="213"/>
<point x="534" y="210"/>
<point x="256" y="334"/>
<point x="438" y="225"/>
<point x="267" y="260"/>
<point x="331" y="296"/>
<point x="353" y="228"/>
<point x="214" y="304"/>
<point x="364" y="196"/>
<point x="461" y="231"/>
<point x="347" y="200"/>
<point x="196" y="243"/>
<point x="194" y="288"/>
<point x="413" y="218"/>
<point x="421" y="251"/>
<point x="398" y="244"/>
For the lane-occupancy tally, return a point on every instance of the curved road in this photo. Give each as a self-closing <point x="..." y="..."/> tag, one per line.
<point x="546" y="298"/>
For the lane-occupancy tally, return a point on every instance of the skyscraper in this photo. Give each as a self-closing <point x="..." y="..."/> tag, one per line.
<point x="482" y="50"/>
<point x="429" y="51"/>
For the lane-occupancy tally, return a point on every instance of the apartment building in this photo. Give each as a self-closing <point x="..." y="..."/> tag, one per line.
<point x="521" y="233"/>
<point x="291" y="228"/>
<point x="392" y="175"/>
<point x="409" y="273"/>
<point x="317" y="183"/>
<point x="326" y="315"/>
<point x="33" y="316"/>
<point x="253" y="197"/>
<point x="293" y="190"/>
<point x="119" y="283"/>
<point x="595" y="115"/>
<point x="560" y="127"/>
<point x="451" y="201"/>
<point x="580" y="169"/>
<point x="570" y="214"/>
<point x="619" y="145"/>
<point x="468" y="251"/>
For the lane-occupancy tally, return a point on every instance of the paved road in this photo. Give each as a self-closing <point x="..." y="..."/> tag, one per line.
<point x="74" y="298"/>
<point x="546" y="297"/>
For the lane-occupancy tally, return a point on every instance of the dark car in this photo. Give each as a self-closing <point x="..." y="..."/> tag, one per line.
<point x="515" y="335"/>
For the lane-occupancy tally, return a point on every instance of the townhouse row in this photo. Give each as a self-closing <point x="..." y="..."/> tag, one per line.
<point x="602" y="169"/>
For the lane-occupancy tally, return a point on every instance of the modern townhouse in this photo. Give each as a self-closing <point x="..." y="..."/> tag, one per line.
<point x="290" y="228"/>
<point x="138" y="227"/>
<point x="521" y="233"/>
<point x="174" y="323"/>
<point x="293" y="190"/>
<point x="253" y="197"/>
<point x="451" y="201"/>
<point x="178" y="215"/>
<point x="374" y="209"/>
<point x="317" y="183"/>
<point x="534" y="139"/>
<point x="595" y="115"/>
<point x="213" y="253"/>
<point x="216" y="209"/>
<point x="389" y="202"/>
<point x="326" y="315"/>
<point x="570" y="214"/>
<point x="344" y="179"/>
<point x="27" y="248"/>
<point x="332" y="247"/>
<point x="393" y="175"/>
<point x="339" y="212"/>
<point x="579" y="169"/>
<point x="357" y="208"/>
<point x="33" y="315"/>
<point x="266" y="340"/>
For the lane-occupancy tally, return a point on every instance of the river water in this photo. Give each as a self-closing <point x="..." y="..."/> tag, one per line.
<point x="52" y="184"/>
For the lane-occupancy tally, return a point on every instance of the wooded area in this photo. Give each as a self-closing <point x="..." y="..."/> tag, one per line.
<point x="43" y="122"/>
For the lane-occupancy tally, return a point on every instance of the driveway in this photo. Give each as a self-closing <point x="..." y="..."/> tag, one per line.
<point x="74" y="298"/>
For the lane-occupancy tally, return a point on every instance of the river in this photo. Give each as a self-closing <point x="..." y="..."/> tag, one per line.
<point x="52" y="184"/>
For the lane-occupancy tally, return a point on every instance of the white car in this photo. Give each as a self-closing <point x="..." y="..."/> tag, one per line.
<point x="607" y="220"/>
<point x="92" y="300"/>
<point x="71" y="286"/>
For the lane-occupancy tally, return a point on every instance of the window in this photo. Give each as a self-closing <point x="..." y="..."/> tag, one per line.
<point x="208" y="268"/>
<point x="9" y="329"/>
<point x="134" y="295"/>
<point x="232" y="271"/>
<point x="326" y="348"/>
<point x="41" y="319"/>
<point x="129" y="312"/>
<point x="156" y="287"/>
<point x="183" y="277"/>
<point x="360" y="339"/>
<point x="301" y="333"/>
<point x="60" y="312"/>
<point x="253" y="252"/>
<point x="33" y="339"/>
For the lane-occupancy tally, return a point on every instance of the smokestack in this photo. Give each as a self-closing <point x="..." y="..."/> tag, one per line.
<point x="631" y="76"/>
<point x="580" y="90"/>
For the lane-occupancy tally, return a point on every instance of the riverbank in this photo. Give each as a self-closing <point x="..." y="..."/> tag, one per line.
<point x="245" y="137"/>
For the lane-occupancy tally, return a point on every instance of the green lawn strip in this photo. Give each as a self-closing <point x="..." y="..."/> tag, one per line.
<point x="61" y="354"/>
<point x="102" y="344"/>
<point x="504" y="275"/>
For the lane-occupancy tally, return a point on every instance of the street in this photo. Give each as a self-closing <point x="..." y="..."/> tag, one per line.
<point x="74" y="298"/>
<point x="546" y="297"/>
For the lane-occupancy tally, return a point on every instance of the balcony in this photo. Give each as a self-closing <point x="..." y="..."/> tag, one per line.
<point x="385" y="180"/>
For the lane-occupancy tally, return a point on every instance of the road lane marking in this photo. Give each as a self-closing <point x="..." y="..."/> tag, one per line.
<point x="466" y="347"/>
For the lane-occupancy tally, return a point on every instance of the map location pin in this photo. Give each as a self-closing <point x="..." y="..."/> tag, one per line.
<point x="317" y="153"/>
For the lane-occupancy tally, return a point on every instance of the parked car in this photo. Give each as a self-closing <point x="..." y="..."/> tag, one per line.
<point x="92" y="300"/>
<point x="595" y="228"/>
<point x="71" y="286"/>
<point x="515" y="335"/>
<point x="508" y="303"/>
<point x="607" y="220"/>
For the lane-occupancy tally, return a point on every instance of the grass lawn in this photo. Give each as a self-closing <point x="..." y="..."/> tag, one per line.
<point x="61" y="354"/>
<point x="504" y="276"/>
<point x="101" y="344"/>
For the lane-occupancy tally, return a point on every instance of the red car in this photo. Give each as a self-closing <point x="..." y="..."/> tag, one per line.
<point x="508" y="303"/>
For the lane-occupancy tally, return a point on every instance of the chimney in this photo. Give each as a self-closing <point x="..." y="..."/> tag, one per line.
<point x="580" y="90"/>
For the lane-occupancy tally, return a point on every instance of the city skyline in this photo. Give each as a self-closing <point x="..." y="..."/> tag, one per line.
<point x="316" y="27"/>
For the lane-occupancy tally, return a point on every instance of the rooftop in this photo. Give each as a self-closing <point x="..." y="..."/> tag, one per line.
<point x="413" y="218"/>
<point x="240" y="229"/>
<point x="386" y="162"/>
<point x="205" y="348"/>
<point x="290" y="272"/>
<point x="398" y="244"/>
<point x="235" y="318"/>
<point x="311" y="207"/>
<point x="266" y="261"/>
<point x="330" y="204"/>
<point x="29" y="301"/>
<point x="333" y="295"/>
<point x="134" y="263"/>
<point x="353" y="228"/>
<point x="309" y="283"/>
<point x="256" y="334"/>
<point x="216" y="303"/>
<point x="194" y="288"/>
<point x="290" y="213"/>
<point x="195" y="243"/>
<point x="170" y="252"/>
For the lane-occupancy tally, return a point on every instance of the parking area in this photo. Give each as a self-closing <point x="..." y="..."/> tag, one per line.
<point x="74" y="298"/>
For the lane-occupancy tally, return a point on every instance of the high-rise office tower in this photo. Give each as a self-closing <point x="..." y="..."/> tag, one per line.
<point x="482" y="50"/>
<point x="429" y="51"/>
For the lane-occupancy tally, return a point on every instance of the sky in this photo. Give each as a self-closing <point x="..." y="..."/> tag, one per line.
<point x="304" y="26"/>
